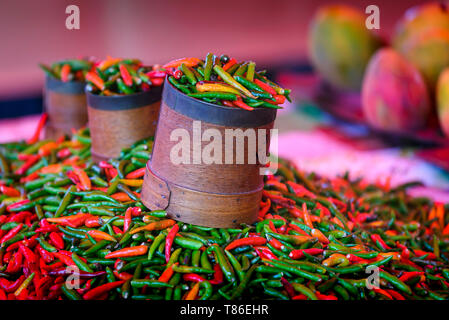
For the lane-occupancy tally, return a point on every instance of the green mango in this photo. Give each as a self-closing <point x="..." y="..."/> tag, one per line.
<point x="340" y="45"/>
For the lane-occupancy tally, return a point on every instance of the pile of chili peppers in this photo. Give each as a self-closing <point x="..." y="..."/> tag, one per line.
<point x="226" y="82"/>
<point x="69" y="70"/>
<point x="116" y="76"/>
<point x="74" y="229"/>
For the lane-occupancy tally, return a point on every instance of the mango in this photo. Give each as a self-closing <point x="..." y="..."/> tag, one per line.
<point x="418" y="19"/>
<point x="340" y="45"/>
<point x="394" y="94"/>
<point x="442" y="100"/>
<point x="429" y="52"/>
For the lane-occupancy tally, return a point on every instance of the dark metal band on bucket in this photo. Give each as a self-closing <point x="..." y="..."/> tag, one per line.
<point x="70" y="87"/>
<point x="212" y="113"/>
<point x="125" y="102"/>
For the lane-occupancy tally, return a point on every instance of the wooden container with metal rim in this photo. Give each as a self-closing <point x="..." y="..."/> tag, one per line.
<point x="65" y="104"/>
<point x="217" y="194"/>
<point x="116" y="122"/>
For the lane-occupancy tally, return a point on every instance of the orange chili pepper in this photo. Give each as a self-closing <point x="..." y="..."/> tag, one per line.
<point x="101" y="235"/>
<point x="320" y="236"/>
<point x="132" y="182"/>
<point x="95" y="79"/>
<point x="65" y="72"/>
<point x="46" y="149"/>
<point x="167" y="274"/>
<point x="157" y="225"/>
<point x="189" y="62"/>
<point x="9" y="191"/>
<point x="73" y="221"/>
<point x="193" y="293"/>
<point x="84" y="179"/>
<point x="120" y="196"/>
<point x="128" y="252"/>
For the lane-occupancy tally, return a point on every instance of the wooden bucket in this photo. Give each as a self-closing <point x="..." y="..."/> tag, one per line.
<point x="65" y="103"/>
<point x="213" y="195"/>
<point x="116" y="122"/>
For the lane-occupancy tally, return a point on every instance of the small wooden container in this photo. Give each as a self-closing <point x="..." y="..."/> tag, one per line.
<point x="213" y="195"/>
<point x="116" y="122"/>
<point x="65" y="104"/>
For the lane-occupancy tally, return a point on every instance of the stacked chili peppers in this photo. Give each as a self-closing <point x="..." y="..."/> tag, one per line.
<point x="69" y="70"/>
<point x="116" y="76"/>
<point x="73" y="229"/>
<point x="225" y="81"/>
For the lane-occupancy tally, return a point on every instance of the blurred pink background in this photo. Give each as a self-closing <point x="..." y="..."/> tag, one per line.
<point x="156" y="31"/>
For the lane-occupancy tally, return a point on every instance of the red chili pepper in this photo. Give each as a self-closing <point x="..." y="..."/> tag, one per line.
<point x="193" y="277"/>
<point x="20" y="216"/>
<point x="265" y="87"/>
<point x="288" y="287"/>
<point x="136" y="173"/>
<point x="46" y="256"/>
<point x="127" y="220"/>
<point x="169" y="241"/>
<point x="157" y="81"/>
<point x="127" y="79"/>
<point x="46" y="229"/>
<point x="15" y="264"/>
<point x="105" y="288"/>
<point x="277" y="244"/>
<point x="57" y="240"/>
<point x="383" y="292"/>
<point x="239" y="103"/>
<point x="30" y="257"/>
<point x="35" y="137"/>
<point x="409" y="275"/>
<point x="405" y="251"/>
<point x="176" y="73"/>
<point x="280" y="99"/>
<point x="395" y="294"/>
<point x="122" y="275"/>
<point x="321" y="296"/>
<point x="64" y="258"/>
<point x="24" y="167"/>
<point x="377" y="239"/>
<point x="218" y="275"/>
<point x="299" y="253"/>
<point x="156" y="74"/>
<point x="11" y="233"/>
<point x="117" y="230"/>
<point x="420" y="253"/>
<point x="265" y="253"/>
<point x="64" y="153"/>
<point x="10" y="192"/>
<point x="250" y="241"/>
<point x="229" y="64"/>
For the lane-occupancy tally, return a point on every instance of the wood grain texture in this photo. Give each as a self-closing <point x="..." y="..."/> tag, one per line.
<point x="218" y="178"/>
<point x="214" y="195"/>
<point x="111" y="131"/>
<point x="66" y="111"/>
<point x="201" y="208"/>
